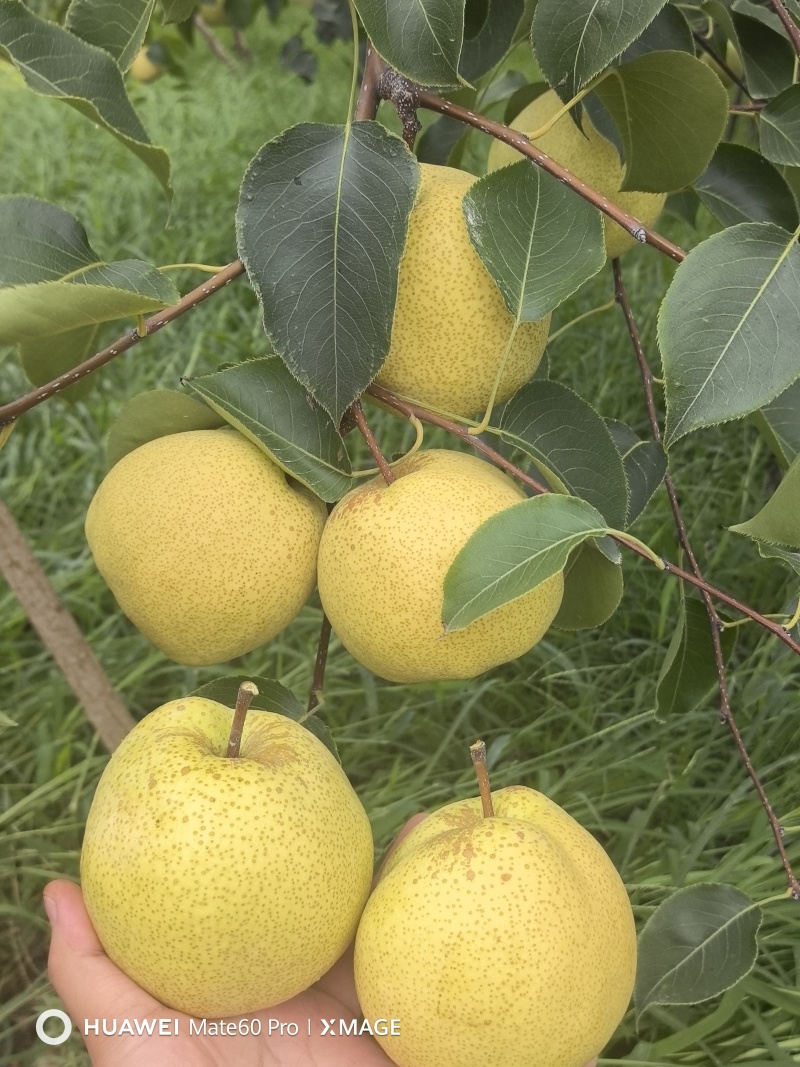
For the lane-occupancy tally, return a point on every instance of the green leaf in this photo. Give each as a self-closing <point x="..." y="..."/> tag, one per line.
<point x="321" y="224"/>
<point x="56" y="63"/>
<point x="153" y="414"/>
<point x="670" y="110"/>
<point x="668" y="32"/>
<point x="592" y="589"/>
<point x="791" y="559"/>
<point x="569" y="443"/>
<point x="47" y="358"/>
<point x="645" y="465"/>
<point x="779" y="422"/>
<point x="270" y="407"/>
<point x="778" y="522"/>
<point x="116" y="26"/>
<point x="689" y="672"/>
<point x="178" y="10"/>
<point x="272" y="696"/>
<point x="489" y="29"/>
<point x="420" y="38"/>
<point x="537" y="240"/>
<point x="739" y="185"/>
<point x="513" y="552"/>
<point x="780" y="128"/>
<point x="52" y="281"/>
<point x="761" y="14"/>
<point x="700" y="942"/>
<point x="574" y="42"/>
<point x="768" y="57"/>
<point x="6" y="722"/>
<point x="727" y="327"/>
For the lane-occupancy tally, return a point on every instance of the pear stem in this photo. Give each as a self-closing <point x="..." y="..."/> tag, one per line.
<point x="478" y="753"/>
<point x="372" y="444"/>
<point x="247" y="690"/>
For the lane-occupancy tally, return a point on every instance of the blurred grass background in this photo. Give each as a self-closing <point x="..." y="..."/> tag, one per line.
<point x="574" y="718"/>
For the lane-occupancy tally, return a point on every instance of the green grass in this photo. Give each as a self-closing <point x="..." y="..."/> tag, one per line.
<point x="670" y="801"/>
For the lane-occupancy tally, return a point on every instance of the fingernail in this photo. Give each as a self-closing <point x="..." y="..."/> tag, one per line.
<point x="51" y="907"/>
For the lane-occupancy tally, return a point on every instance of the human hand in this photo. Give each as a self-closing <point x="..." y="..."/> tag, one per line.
<point x="94" y="988"/>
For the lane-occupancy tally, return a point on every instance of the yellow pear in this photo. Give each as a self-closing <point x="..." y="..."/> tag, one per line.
<point x="382" y="561"/>
<point x="590" y="156"/>
<point x="213" y="13"/>
<point x="145" y="68"/>
<point x="505" y="941"/>
<point x="208" y="547"/>
<point x="223" y="885"/>
<point x="451" y="327"/>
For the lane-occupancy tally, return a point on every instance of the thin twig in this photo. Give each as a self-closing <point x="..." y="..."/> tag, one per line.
<point x="522" y="144"/>
<point x="319" y="664"/>
<point x="788" y="22"/>
<point x="721" y="63"/>
<point x="372" y="444"/>
<point x="213" y="42"/>
<point x="715" y="623"/>
<point x="406" y="408"/>
<point x="9" y="412"/>
<point x="747" y="109"/>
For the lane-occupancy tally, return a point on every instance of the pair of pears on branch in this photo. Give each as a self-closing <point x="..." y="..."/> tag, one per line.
<point x="211" y="551"/>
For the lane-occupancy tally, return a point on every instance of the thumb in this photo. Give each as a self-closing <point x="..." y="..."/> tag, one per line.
<point x="89" y="984"/>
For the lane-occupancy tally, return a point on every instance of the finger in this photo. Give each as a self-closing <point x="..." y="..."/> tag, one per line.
<point x="339" y="981"/>
<point x="90" y="985"/>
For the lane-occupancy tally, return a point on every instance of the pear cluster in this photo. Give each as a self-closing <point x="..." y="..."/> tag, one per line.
<point x="227" y="865"/>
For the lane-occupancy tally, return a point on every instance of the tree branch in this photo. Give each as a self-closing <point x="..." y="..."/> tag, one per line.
<point x="211" y="39"/>
<point x="726" y="713"/>
<point x="394" y="86"/>
<point x="369" y="98"/>
<point x="407" y="408"/>
<point x="60" y="635"/>
<point x="788" y="22"/>
<point x="12" y="411"/>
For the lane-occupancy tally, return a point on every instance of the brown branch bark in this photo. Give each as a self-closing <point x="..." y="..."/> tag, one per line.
<point x="60" y="635"/>
<point x="715" y="623"/>
<point x="520" y="142"/>
<point x="369" y="98"/>
<point x="217" y="47"/>
<point x="788" y="22"/>
<point x="10" y="412"/>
